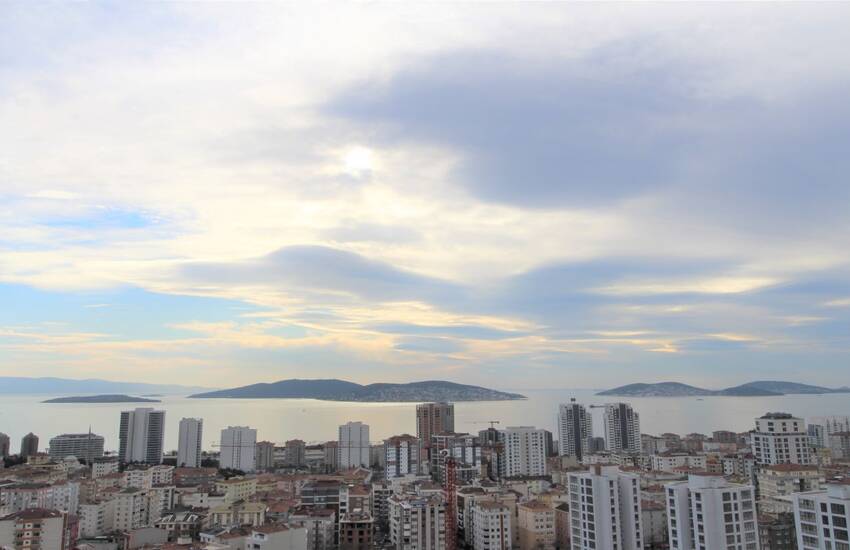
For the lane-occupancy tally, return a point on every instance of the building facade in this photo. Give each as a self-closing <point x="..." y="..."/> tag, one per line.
<point x="525" y="451"/>
<point x="780" y="438"/>
<point x="84" y="446"/>
<point x="238" y="448"/>
<point x="191" y="437"/>
<point x="353" y="445"/>
<point x="575" y="430"/>
<point x="140" y="434"/>
<point x="622" y="428"/>
<point x="605" y="505"/>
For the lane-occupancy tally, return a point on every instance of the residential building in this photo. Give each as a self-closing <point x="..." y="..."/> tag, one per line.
<point x="237" y="488"/>
<point x="320" y="524"/>
<point x="492" y="526"/>
<point x="780" y="438"/>
<point x="417" y="522"/>
<point x="653" y="521"/>
<point x="525" y="451"/>
<point x="5" y="445"/>
<point x="605" y="509"/>
<point x="402" y="456"/>
<point x="622" y="428"/>
<point x="536" y="524"/>
<point x="140" y="435"/>
<point x="433" y="419"/>
<point x="276" y="537"/>
<point x="777" y="531"/>
<point x="671" y="461"/>
<point x="776" y="484"/>
<point x="265" y="456"/>
<point x="353" y="445"/>
<point x="839" y="444"/>
<point x="104" y="466"/>
<point x="707" y="512"/>
<point x="237" y="448"/>
<point x="575" y="430"/>
<point x="60" y="495"/>
<point x="464" y="448"/>
<point x="36" y="529"/>
<point x="190" y="442"/>
<point x="29" y="445"/>
<point x="822" y="517"/>
<point x="356" y="530"/>
<point x="86" y="446"/>
<point x="295" y="453"/>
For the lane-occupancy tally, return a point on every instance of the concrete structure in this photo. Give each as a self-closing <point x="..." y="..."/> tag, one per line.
<point x="237" y="448"/>
<point x="525" y="451"/>
<point x="277" y="537"/>
<point x="29" y="445"/>
<point x="353" y="445"/>
<point x="492" y="526"/>
<point x="433" y="419"/>
<point x="822" y="517"/>
<point x="777" y="532"/>
<point x="707" y="511"/>
<point x="5" y="445"/>
<point x="622" y="428"/>
<point x="189" y="442"/>
<point x="417" y="522"/>
<point x="777" y="483"/>
<point x="781" y="438"/>
<point x="320" y="524"/>
<point x="356" y="530"/>
<point x="140" y="435"/>
<point x="264" y="458"/>
<point x="536" y="524"/>
<point x="86" y="446"/>
<point x="464" y="448"/>
<point x="402" y="456"/>
<point x="295" y="453"/>
<point x="36" y="529"/>
<point x="653" y="520"/>
<point x="575" y="430"/>
<point x="605" y="509"/>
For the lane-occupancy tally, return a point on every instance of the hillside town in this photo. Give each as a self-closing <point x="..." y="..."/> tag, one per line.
<point x="784" y="484"/>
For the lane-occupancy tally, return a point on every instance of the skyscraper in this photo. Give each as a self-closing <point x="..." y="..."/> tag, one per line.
<point x="265" y="456"/>
<point x="707" y="511"/>
<point x="86" y="446"/>
<point x="29" y="445"/>
<point x="353" y="445"/>
<point x="622" y="428"/>
<point x="5" y="445"/>
<point x="605" y="505"/>
<point x="238" y="448"/>
<point x="780" y="438"/>
<point x="433" y="419"/>
<point x="189" y="442"/>
<point x="140" y="435"/>
<point x="575" y="430"/>
<point x="402" y="455"/>
<point x="525" y="451"/>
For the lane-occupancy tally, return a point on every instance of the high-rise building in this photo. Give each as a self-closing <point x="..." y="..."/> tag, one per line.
<point x="417" y="521"/>
<point x="237" y="448"/>
<point x="780" y="438"/>
<point x="86" y="446"/>
<point x="605" y="509"/>
<point x="265" y="456"/>
<point x="140" y="435"/>
<point x="525" y="451"/>
<point x="402" y="456"/>
<point x="29" y="445"/>
<point x="575" y="430"/>
<point x="432" y="419"/>
<point x="294" y="453"/>
<point x="622" y="428"/>
<point x="492" y="526"/>
<point x="189" y="442"/>
<point x="5" y="445"/>
<point x="822" y="517"/>
<point x="353" y="445"/>
<point x="464" y="448"/>
<point x="707" y="511"/>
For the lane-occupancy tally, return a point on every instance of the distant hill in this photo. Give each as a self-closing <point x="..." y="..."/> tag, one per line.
<point x="341" y="390"/>
<point x="101" y="399"/>
<point x="67" y="386"/>
<point x="750" y="389"/>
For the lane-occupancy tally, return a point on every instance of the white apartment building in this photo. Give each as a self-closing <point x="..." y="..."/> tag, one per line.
<point x="605" y="509"/>
<point x="417" y="522"/>
<point x="237" y="448"/>
<point x="130" y="509"/>
<point x="781" y="438"/>
<point x="353" y="445"/>
<point x="667" y="462"/>
<point x="96" y="518"/>
<point x="777" y="483"/>
<point x="707" y="512"/>
<point x="189" y="442"/>
<point x="63" y="496"/>
<point x="35" y="528"/>
<point x="104" y="466"/>
<point x="622" y="428"/>
<point x="822" y="518"/>
<point x="525" y="451"/>
<point x="402" y="455"/>
<point x="147" y="477"/>
<point x="492" y="521"/>
<point x="575" y="430"/>
<point x="140" y="435"/>
<point x="87" y="446"/>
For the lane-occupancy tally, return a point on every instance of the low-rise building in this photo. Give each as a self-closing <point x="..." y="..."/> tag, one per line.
<point x="536" y="524"/>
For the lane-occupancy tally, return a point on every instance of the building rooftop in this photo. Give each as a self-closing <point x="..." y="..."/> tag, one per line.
<point x="34" y="513"/>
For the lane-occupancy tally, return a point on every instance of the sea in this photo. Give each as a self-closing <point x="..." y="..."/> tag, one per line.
<point x="279" y="420"/>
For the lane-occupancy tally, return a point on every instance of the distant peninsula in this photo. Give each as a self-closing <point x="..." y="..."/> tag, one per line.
<point x="340" y="390"/>
<point x="101" y="399"/>
<point x="761" y="388"/>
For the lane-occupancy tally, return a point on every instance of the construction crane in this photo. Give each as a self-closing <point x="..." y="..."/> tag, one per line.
<point x="491" y="422"/>
<point x="450" y="489"/>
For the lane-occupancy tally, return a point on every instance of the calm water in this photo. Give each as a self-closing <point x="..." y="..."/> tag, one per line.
<point x="281" y="419"/>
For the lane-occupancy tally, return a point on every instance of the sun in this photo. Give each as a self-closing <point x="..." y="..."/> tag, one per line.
<point x="358" y="161"/>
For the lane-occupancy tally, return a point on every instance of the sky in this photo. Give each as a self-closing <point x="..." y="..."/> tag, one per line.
<point x="512" y="195"/>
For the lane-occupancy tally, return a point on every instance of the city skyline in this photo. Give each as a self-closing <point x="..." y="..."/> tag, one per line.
<point x="508" y="196"/>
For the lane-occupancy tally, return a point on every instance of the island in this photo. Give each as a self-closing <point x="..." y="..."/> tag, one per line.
<point x="341" y="390"/>
<point x="760" y="388"/>
<point x="101" y="399"/>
